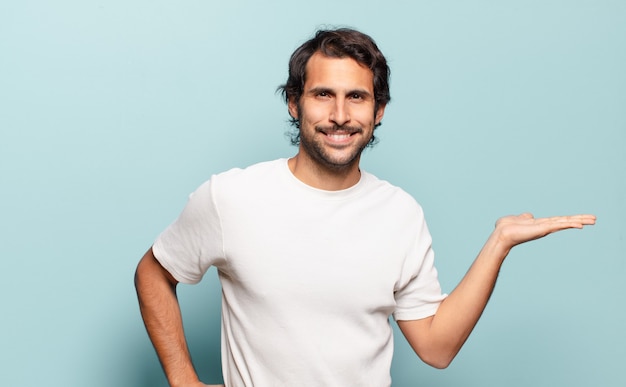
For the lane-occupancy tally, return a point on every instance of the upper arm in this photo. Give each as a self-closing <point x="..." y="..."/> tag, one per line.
<point x="416" y="333"/>
<point x="419" y="335"/>
<point x="150" y="269"/>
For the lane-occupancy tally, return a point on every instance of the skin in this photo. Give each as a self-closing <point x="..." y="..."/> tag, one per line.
<point x="437" y="339"/>
<point x="156" y="291"/>
<point x="337" y="117"/>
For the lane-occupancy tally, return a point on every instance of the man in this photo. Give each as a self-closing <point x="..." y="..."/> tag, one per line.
<point x="314" y="254"/>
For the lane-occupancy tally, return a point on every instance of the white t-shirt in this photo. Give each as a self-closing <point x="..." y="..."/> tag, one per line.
<point x="309" y="277"/>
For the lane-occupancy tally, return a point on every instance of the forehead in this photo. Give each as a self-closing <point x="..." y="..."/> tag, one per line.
<point x="337" y="73"/>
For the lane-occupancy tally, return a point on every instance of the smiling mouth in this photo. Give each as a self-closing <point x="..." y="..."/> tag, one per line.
<point x="339" y="136"/>
<point x="339" y="133"/>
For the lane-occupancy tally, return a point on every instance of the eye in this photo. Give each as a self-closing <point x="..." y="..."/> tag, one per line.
<point x="356" y="96"/>
<point x="322" y="94"/>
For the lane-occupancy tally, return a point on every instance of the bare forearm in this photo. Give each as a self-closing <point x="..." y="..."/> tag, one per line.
<point x="459" y="312"/>
<point x="161" y="314"/>
<point x="437" y="339"/>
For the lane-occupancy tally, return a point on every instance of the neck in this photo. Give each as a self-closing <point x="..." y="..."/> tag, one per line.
<point x="325" y="178"/>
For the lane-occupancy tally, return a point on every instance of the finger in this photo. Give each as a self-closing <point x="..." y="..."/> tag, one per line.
<point x="588" y="219"/>
<point x="582" y="219"/>
<point x="573" y="221"/>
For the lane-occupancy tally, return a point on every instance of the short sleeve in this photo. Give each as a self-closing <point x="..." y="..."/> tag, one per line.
<point x="190" y="245"/>
<point x="419" y="292"/>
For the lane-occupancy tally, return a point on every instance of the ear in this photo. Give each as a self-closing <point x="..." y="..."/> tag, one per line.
<point x="380" y="112"/>
<point x="292" y="105"/>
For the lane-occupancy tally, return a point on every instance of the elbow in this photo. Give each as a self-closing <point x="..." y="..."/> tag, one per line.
<point x="440" y="364"/>
<point x="438" y="360"/>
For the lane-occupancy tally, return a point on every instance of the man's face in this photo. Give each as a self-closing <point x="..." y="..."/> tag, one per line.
<point x="336" y="111"/>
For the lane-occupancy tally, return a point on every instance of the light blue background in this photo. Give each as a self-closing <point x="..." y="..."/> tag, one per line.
<point x="112" y="112"/>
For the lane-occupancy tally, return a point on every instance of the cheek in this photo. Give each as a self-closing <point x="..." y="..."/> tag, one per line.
<point x="365" y="116"/>
<point x="313" y="112"/>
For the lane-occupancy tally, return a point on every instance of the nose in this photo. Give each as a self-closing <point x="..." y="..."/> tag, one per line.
<point x="340" y="114"/>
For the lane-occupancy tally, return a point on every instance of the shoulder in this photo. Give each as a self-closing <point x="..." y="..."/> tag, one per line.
<point x="262" y="169"/>
<point x="247" y="184"/>
<point x="248" y="176"/>
<point x="238" y="178"/>
<point x="392" y="195"/>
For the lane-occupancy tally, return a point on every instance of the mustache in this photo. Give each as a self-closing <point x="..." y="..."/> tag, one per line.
<point x="328" y="129"/>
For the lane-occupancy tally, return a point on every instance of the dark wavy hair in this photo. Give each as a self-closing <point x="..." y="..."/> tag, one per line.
<point x="337" y="43"/>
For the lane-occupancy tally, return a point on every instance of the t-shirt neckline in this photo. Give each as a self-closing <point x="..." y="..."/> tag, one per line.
<point x="296" y="183"/>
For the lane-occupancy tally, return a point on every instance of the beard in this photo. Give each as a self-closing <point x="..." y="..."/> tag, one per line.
<point x="333" y="157"/>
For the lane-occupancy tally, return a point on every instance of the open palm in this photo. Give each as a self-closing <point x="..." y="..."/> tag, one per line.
<point x="516" y="229"/>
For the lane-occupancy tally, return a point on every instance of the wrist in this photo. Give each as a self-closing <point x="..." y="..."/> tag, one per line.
<point x="497" y="246"/>
<point x="191" y="381"/>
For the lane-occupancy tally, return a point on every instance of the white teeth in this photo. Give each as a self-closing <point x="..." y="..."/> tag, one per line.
<point x="338" y="136"/>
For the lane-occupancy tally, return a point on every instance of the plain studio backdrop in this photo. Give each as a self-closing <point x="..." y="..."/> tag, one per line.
<point x="112" y="112"/>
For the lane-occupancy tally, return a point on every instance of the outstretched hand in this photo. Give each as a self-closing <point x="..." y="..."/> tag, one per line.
<point x="517" y="229"/>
